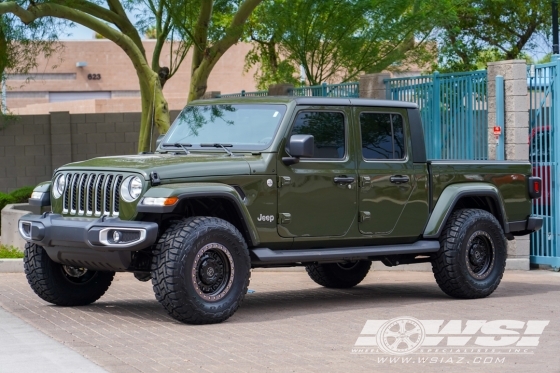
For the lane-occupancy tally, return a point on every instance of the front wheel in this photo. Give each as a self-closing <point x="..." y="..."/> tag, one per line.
<point x="472" y="256"/>
<point x="61" y="284"/>
<point x="201" y="270"/>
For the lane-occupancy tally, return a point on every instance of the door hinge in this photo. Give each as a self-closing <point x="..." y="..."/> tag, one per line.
<point x="364" y="215"/>
<point x="283" y="181"/>
<point x="285" y="218"/>
<point x="365" y="182"/>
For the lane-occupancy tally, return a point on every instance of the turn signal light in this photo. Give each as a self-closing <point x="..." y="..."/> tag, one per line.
<point x="170" y="201"/>
<point x="160" y="201"/>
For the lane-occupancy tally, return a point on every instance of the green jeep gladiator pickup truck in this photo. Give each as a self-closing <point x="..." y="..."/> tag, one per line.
<point x="326" y="183"/>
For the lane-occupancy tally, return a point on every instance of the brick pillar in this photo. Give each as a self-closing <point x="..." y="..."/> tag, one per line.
<point x="61" y="139"/>
<point x="211" y="94"/>
<point x="516" y="123"/>
<point x="280" y="89"/>
<point x="372" y="86"/>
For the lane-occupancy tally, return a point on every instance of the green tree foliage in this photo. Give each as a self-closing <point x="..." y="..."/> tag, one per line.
<point x="481" y="31"/>
<point x="110" y="20"/>
<point x="336" y="40"/>
<point x="214" y="26"/>
<point x="21" y="44"/>
<point x="178" y="23"/>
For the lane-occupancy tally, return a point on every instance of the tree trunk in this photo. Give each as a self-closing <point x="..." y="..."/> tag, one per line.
<point x="155" y="112"/>
<point x="199" y="81"/>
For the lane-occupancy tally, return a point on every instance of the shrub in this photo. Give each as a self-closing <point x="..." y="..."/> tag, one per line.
<point x="10" y="252"/>
<point x="6" y="199"/>
<point x="21" y="195"/>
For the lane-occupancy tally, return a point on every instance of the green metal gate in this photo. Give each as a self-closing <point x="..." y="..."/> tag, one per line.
<point x="544" y="154"/>
<point x="454" y="109"/>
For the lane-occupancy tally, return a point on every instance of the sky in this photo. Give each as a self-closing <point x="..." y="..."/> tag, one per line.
<point x="78" y="32"/>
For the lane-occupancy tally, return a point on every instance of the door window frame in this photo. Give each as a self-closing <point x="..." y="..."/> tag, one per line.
<point x="391" y="160"/>
<point x="346" y="155"/>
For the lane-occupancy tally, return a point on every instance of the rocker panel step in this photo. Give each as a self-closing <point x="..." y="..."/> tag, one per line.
<point x="268" y="256"/>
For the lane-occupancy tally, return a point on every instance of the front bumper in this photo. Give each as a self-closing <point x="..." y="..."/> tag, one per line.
<point x="54" y="230"/>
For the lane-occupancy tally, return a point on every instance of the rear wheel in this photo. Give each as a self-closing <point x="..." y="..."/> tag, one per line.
<point x="61" y="284"/>
<point x="339" y="275"/>
<point x="472" y="257"/>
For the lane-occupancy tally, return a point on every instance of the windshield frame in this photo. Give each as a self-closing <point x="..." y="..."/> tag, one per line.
<point x="235" y="147"/>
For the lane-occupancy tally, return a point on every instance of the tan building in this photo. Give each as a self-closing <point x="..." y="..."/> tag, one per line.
<point x="96" y="76"/>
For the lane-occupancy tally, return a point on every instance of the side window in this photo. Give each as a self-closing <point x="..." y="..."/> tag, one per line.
<point x="382" y="136"/>
<point x="327" y="129"/>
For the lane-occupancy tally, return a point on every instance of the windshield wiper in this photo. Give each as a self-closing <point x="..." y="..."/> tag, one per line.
<point x="218" y="145"/>
<point x="179" y="145"/>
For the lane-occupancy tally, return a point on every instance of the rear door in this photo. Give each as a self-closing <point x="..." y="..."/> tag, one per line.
<point x="386" y="170"/>
<point x="317" y="197"/>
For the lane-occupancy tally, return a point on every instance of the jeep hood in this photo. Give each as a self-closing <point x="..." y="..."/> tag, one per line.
<point x="168" y="166"/>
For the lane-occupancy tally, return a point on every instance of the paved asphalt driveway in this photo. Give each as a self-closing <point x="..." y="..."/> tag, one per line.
<point x="289" y="324"/>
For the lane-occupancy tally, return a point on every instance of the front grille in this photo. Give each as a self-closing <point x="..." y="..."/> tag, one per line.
<point x="88" y="194"/>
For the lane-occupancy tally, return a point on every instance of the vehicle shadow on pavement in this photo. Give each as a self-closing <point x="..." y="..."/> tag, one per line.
<point x="278" y="305"/>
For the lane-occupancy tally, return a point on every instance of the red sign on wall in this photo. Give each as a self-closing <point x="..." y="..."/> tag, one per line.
<point x="497" y="130"/>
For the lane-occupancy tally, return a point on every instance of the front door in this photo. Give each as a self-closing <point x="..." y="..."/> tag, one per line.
<point x="317" y="196"/>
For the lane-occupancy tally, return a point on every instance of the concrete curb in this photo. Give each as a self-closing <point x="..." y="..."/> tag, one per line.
<point x="11" y="265"/>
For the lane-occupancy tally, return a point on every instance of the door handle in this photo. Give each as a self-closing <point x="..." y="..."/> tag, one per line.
<point x="399" y="179"/>
<point x="343" y="180"/>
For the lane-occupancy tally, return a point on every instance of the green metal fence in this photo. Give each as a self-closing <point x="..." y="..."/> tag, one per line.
<point x="544" y="153"/>
<point x="246" y="94"/>
<point x="328" y="90"/>
<point x="454" y="109"/>
<point x="323" y="90"/>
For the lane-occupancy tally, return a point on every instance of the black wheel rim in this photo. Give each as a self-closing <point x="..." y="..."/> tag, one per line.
<point x="212" y="272"/>
<point x="480" y="255"/>
<point x="77" y="275"/>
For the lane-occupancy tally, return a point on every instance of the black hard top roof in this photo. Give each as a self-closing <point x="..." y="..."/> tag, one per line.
<point x="316" y="101"/>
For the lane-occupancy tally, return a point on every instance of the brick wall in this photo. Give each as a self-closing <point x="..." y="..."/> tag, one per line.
<point x="33" y="146"/>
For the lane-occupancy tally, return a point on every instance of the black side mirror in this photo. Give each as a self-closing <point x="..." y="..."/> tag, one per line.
<point x="301" y="146"/>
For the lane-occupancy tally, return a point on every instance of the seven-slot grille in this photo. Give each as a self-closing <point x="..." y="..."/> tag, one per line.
<point x="90" y="194"/>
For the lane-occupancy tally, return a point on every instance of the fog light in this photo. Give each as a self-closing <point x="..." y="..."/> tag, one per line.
<point x="116" y="236"/>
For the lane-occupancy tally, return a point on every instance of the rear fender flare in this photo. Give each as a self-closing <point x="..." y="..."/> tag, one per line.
<point x="449" y="198"/>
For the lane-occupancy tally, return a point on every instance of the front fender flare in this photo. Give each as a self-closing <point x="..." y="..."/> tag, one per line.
<point x="449" y="198"/>
<point x="193" y="190"/>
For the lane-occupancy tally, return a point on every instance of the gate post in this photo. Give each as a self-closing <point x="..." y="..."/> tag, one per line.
<point x="436" y="116"/>
<point x="516" y="130"/>
<point x="373" y="86"/>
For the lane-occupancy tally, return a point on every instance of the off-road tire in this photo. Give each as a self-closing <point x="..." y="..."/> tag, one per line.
<point x="472" y="256"/>
<point x="178" y="270"/>
<point x="335" y="275"/>
<point x="51" y="282"/>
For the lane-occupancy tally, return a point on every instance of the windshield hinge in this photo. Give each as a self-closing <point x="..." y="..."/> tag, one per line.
<point x="154" y="178"/>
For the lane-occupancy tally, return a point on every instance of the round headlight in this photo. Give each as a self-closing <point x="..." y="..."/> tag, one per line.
<point x="135" y="187"/>
<point x="131" y="188"/>
<point x="59" y="185"/>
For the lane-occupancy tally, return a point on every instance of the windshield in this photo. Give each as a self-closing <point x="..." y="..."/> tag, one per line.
<point x="240" y="126"/>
